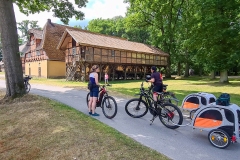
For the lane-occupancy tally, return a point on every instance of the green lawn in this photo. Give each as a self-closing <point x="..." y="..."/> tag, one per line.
<point x="181" y="87"/>
<point x="33" y="127"/>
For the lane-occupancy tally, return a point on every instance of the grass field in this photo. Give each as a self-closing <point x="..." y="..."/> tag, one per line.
<point x="181" y="87"/>
<point x="33" y="127"/>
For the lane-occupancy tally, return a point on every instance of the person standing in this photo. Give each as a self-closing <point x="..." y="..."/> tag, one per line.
<point x="106" y="78"/>
<point x="94" y="90"/>
<point x="156" y="79"/>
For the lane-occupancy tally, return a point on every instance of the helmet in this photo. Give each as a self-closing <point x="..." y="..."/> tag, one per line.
<point x="148" y="77"/>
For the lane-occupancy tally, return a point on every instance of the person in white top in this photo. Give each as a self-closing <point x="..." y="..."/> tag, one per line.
<point x="94" y="90"/>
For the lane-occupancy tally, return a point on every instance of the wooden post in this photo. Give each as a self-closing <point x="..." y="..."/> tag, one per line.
<point x="135" y="74"/>
<point x="125" y="72"/>
<point x="100" y="72"/>
<point x="113" y="68"/>
<point x="144" y="73"/>
<point x="85" y="72"/>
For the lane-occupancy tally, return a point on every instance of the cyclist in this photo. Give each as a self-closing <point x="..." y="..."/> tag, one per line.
<point x="156" y="79"/>
<point x="94" y="90"/>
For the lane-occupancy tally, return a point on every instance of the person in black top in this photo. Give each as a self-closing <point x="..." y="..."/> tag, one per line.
<point x="156" y="79"/>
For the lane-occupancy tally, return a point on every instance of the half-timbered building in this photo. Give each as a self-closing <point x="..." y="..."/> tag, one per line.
<point x="43" y="59"/>
<point x="120" y="58"/>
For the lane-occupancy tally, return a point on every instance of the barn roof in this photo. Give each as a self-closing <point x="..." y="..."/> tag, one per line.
<point x="53" y="35"/>
<point x="104" y="41"/>
<point x="36" y="32"/>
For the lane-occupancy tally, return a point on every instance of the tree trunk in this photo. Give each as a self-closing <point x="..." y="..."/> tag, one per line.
<point x="11" y="55"/>
<point x="179" y="69"/>
<point x="168" y="68"/>
<point x="223" y="77"/>
<point x="186" y="74"/>
<point x="212" y="75"/>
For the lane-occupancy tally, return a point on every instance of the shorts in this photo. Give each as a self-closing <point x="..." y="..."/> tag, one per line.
<point x="158" y="88"/>
<point x="94" y="92"/>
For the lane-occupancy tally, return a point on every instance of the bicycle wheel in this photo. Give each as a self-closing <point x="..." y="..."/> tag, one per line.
<point x="170" y="116"/>
<point x="136" y="108"/>
<point x="27" y="87"/>
<point x="219" y="138"/>
<point x="87" y="98"/>
<point x="109" y="107"/>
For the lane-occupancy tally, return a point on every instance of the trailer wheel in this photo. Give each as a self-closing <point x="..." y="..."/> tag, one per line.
<point x="219" y="138"/>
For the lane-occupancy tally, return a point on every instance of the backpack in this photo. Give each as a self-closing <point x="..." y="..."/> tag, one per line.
<point x="223" y="99"/>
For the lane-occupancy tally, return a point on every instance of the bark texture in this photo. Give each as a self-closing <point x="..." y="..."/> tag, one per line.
<point x="168" y="68"/>
<point x="11" y="56"/>
<point x="223" y="77"/>
<point x="212" y="75"/>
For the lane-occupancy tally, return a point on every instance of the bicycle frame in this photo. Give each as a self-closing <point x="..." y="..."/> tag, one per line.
<point x="148" y="96"/>
<point x="102" y="93"/>
<point x="144" y="94"/>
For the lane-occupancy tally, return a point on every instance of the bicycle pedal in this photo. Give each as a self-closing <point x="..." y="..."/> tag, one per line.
<point x="151" y="122"/>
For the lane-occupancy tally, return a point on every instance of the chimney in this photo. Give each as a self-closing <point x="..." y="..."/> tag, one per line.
<point x="49" y="21"/>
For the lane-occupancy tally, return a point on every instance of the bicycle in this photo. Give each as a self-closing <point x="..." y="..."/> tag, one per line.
<point x="167" y="112"/>
<point x="106" y="102"/>
<point x="26" y="83"/>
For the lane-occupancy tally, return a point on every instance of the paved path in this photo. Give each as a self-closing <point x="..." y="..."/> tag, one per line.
<point x="180" y="144"/>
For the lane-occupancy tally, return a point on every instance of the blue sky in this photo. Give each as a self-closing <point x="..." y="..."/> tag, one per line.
<point x="94" y="9"/>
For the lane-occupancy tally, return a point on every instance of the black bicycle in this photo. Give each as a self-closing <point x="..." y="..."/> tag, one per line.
<point x="26" y="83"/>
<point x="168" y="96"/>
<point x="169" y="114"/>
<point x="106" y="102"/>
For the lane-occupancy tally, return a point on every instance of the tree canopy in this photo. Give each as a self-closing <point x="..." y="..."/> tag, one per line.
<point x="24" y="26"/>
<point x="62" y="9"/>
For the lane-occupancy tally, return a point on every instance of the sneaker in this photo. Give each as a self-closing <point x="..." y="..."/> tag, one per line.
<point x="90" y="113"/>
<point x="95" y="114"/>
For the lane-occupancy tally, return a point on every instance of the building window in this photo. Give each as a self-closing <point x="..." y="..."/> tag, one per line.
<point x="83" y="52"/>
<point x="113" y="53"/>
<point x="73" y="43"/>
<point x="38" y="53"/>
<point x="74" y="51"/>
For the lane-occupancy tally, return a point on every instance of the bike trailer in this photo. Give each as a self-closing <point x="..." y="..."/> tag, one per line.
<point x="221" y="121"/>
<point x="194" y="101"/>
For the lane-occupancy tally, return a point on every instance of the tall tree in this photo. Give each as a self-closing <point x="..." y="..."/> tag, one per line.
<point x="162" y="17"/>
<point x="216" y="34"/>
<point x="9" y="37"/>
<point x="78" y="26"/>
<point x="103" y="26"/>
<point x="119" y="26"/>
<point x="24" y="26"/>
<point x="1" y="55"/>
<point x="184" y="53"/>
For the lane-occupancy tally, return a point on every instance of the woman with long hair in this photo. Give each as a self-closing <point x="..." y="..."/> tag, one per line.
<point x="94" y="90"/>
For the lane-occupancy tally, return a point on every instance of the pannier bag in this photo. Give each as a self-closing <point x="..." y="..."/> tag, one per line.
<point x="223" y="99"/>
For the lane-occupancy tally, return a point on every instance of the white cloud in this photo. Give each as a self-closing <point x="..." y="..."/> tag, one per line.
<point x="95" y="9"/>
<point x="104" y="9"/>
